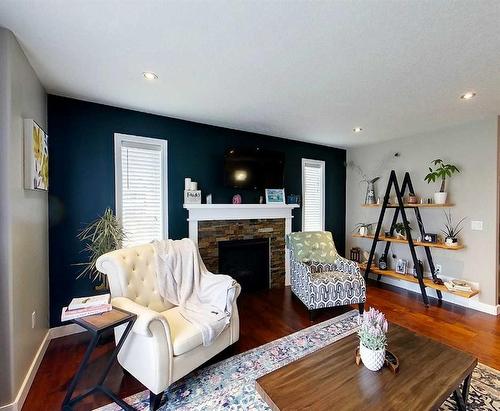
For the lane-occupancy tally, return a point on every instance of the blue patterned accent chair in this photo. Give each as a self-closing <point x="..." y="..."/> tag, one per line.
<point x="320" y="277"/>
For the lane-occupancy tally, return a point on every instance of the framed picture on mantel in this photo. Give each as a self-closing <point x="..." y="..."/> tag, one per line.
<point x="275" y="196"/>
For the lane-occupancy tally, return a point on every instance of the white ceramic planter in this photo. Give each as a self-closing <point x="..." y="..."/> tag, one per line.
<point x="372" y="359"/>
<point x="440" y="198"/>
<point x="363" y="231"/>
<point x="451" y="242"/>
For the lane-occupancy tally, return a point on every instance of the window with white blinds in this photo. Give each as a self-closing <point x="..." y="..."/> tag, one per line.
<point x="140" y="184"/>
<point x="313" y="195"/>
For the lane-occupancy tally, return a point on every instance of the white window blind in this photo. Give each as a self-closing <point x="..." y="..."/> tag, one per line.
<point x="141" y="188"/>
<point x="313" y="195"/>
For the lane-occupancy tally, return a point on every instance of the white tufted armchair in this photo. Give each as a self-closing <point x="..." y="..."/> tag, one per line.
<point x="162" y="346"/>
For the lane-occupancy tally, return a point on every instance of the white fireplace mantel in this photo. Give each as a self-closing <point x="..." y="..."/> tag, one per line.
<point x="215" y="212"/>
<point x="207" y="212"/>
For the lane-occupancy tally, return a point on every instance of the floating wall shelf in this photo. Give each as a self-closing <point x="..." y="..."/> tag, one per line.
<point x="416" y="243"/>
<point x="427" y="281"/>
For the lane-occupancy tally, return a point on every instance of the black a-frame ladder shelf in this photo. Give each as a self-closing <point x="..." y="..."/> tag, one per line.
<point x="400" y="208"/>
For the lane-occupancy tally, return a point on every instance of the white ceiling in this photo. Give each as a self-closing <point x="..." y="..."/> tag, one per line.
<point x="306" y="70"/>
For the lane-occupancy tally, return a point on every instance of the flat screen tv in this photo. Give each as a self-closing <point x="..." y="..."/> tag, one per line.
<point x="254" y="169"/>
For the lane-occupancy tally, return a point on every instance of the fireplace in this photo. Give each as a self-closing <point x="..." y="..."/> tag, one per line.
<point x="210" y="224"/>
<point x="247" y="261"/>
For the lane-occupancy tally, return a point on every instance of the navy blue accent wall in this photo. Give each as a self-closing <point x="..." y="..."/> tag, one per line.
<point x="82" y="177"/>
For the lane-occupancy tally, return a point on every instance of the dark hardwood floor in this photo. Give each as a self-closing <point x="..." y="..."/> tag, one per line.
<point x="267" y="316"/>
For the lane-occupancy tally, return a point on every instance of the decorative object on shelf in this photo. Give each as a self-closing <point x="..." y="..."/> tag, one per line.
<point x="236" y="199"/>
<point x="387" y="234"/>
<point x="192" y="197"/>
<point x="458" y="285"/>
<point x="429" y="238"/>
<point x="36" y="157"/>
<point x="412" y="198"/>
<point x="209" y="198"/>
<point x="373" y="339"/>
<point x="400" y="230"/>
<point x="451" y="230"/>
<point x="355" y="254"/>
<point x="103" y="235"/>
<point x="382" y="262"/>
<point x="293" y="199"/>
<point x="441" y="172"/>
<point x="414" y="269"/>
<point x="261" y="199"/>
<point x="191" y="193"/>
<point x="364" y="256"/>
<point x="401" y="266"/>
<point x="363" y="228"/>
<point x="275" y="196"/>
<point x="370" y="191"/>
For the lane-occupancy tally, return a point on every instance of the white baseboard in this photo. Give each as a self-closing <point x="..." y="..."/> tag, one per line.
<point x="52" y="333"/>
<point x="472" y="303"/>
<point x="17" y="404"/>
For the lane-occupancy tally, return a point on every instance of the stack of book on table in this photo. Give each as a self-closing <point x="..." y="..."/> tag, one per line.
<point x="83" y="306"/>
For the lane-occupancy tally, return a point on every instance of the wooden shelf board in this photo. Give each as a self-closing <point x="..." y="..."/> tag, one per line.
<point x="427" y="281"/>
<point x="410" y="205"/>
<point x="417" y="243"/>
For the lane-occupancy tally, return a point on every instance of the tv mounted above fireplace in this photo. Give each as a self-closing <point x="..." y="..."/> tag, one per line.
<point x="254" y="169"/>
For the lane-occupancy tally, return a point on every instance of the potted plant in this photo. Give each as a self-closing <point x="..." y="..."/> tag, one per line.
<point x="103" y="235"/>
<point x="373" y="339"/>
<point x="451" y="230"/>
<point x="441" y="172"/>
<point x="400" y="230"/>
<point x="363" y="228"/>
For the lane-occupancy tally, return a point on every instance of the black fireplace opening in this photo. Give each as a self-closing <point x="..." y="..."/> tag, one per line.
<point x="247" y="261"/>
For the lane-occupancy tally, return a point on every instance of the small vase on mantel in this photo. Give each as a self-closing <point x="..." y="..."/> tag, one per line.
<point x="372" y="339"/>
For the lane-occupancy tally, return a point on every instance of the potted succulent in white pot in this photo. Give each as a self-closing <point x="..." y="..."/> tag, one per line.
<point x="441" y="172"/>
<point x="400" y="230"/>
<point x="363" y="228"/>
<point x="373" y="339"/>
<point x="451" y="230"/>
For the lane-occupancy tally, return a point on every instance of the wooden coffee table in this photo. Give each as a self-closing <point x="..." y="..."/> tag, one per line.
<point x="429" y="372"/>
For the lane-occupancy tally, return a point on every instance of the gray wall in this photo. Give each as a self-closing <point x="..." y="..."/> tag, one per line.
<point x="24" y="222"/>
<point x="473" y="148"/>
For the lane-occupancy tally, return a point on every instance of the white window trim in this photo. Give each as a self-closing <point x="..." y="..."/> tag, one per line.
<point x="139" y="141"/>
<point x="321" y="165"/>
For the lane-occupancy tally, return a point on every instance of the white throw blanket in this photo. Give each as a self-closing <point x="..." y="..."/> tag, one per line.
<point x="205" y="299"/>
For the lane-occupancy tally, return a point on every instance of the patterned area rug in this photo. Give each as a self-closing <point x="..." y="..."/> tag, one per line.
<point x="229" y="384"/>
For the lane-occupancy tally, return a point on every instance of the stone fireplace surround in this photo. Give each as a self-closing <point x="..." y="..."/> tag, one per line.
<point x="210" y="223"/>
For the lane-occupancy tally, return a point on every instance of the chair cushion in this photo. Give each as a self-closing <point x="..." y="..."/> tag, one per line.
<point x="313" y="246"/>
<point x="185" y="336"/>
<point x="332" y="277"/>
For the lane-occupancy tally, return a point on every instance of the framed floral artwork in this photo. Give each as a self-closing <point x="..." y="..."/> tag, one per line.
<point x="36" y="157"/>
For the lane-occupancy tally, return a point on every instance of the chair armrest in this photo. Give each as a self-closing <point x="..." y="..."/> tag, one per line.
<point x="145" y="317"/>
<point x="347" y="266"/>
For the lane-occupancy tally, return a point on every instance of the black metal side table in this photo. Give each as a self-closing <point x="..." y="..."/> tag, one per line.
<point x="97" y="325"/>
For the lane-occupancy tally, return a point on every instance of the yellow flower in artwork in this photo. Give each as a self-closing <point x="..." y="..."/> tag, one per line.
<point x="38" y="143"/>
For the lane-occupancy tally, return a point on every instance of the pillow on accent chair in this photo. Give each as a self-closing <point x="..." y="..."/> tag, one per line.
<point x="313" y="246"/>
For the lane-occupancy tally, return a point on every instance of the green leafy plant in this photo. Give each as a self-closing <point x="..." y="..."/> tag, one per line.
<point x="103" y="235"/>
<point x="400" y="229"/>
<point x="452" y="230"/>
<point x="441" y="172"/>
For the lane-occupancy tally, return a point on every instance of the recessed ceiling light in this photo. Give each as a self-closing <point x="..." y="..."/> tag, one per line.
<point x="149" y="75"/>
<point x="468" y="95"/>
<point x="357" y="129"/>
